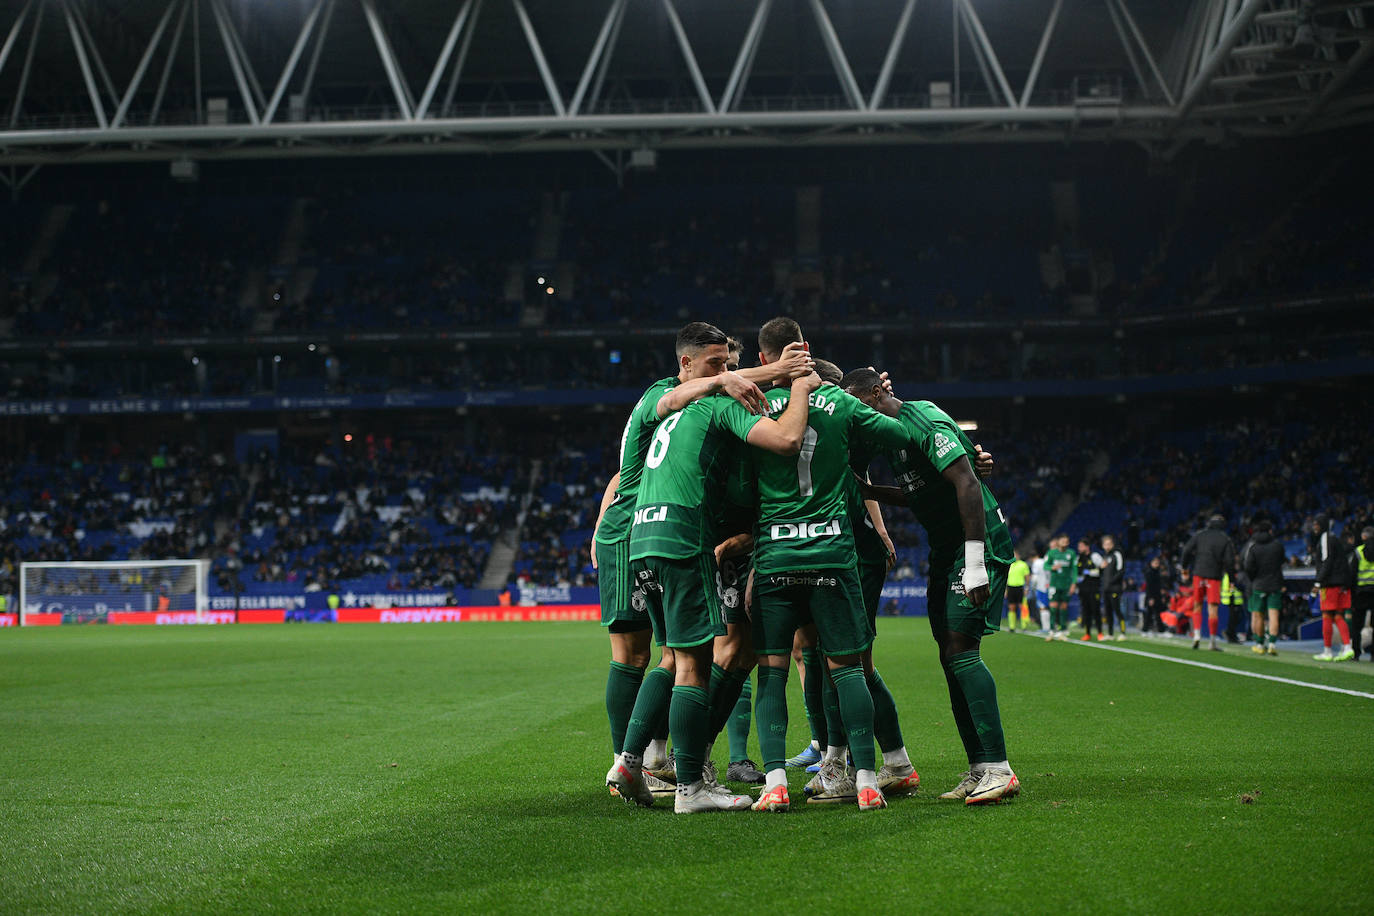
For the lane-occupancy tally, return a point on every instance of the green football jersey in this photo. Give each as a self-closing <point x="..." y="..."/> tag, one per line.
<point x="740" y="507"/>
<point x="869" y="545"/>
<point x="805" y="501"/>
<point x="1062" y="566"/>
<point x="634" y="442"/>
<point x="682" y="490"/>
<point x="934" y="443"/>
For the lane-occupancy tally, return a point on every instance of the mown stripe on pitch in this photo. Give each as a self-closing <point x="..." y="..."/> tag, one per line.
<point x="1239" y="671"/>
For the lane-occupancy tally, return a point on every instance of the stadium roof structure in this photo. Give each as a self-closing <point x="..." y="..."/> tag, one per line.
<point x="134" y="80"/>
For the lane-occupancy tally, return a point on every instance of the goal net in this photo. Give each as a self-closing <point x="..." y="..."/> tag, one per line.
<point x="118" y="591"/>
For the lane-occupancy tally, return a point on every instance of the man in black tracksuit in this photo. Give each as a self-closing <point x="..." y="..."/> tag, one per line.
<point x="1154" y="596"/>
<point x="1089" y="590"/>
<point x="1263" y="560"/>
<point x="1209" y="554"/>
<point x="1113" y="578"/>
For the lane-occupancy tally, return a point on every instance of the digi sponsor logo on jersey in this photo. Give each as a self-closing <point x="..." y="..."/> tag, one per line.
<point x="651" y="514"/>
<point x="786" y="531"/>
<point x="943" y="444"/>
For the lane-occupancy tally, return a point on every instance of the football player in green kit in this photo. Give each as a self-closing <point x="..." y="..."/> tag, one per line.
<point x="735" y="656"/>
<point x="970" y="553"/>
<point x="1063" y="566"/>
<point x="671" y="551"/>
<point x="701" y="372"/>
<point x="805" y="570"/>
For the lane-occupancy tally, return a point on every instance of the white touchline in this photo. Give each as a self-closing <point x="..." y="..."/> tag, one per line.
<point x="1263" y="677"/>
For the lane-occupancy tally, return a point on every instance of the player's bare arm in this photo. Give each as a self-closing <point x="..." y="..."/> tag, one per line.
<point x="875" y="514"/>
<point x="872" y="492"/>
<point x="784" y="435"/>
<point x="736" y="546"/>
<point x="794" y="363"/>
<point x="747" y="393"/>
<point x="606" y="499"/>
<point x="969" y="494"/>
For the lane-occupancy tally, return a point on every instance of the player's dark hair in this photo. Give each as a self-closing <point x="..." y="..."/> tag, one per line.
<point x="1264" y="525"/>
<point x="776" y="334"/>
<point x="698" y="335"/>
<point x="828" y="371"/>
<point x="734" y="345"/>
<point x="864" y="379"/>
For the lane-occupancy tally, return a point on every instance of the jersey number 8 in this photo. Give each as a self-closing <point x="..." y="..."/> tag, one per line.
<point x="658" y="449"/>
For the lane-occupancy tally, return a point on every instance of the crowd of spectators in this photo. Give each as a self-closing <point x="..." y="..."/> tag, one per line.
<point x="1286" y="464"/>
<point x="358" y="259"/>
<point x="410" y="518"/>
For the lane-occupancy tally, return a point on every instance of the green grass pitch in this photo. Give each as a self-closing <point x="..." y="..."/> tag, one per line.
<point x="458" y="768"/>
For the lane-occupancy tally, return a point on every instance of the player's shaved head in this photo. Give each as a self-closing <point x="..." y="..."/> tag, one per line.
<point x="697" y="336"/>
<point x="776" y="334"/>
<point x="861" y="380"/>
<point x="829" y="372"/>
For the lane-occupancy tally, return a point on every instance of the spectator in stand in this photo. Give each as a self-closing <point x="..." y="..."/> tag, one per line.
<point x="1209" y="555"/>
<point x="1335" y="577"/>
<point x="1113" y="580"/>
<point x="1263" y="560"/>
<point x="1362" y="627"/>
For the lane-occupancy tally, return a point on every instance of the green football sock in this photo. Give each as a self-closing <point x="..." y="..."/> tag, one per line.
<point x="622" y="686"/>
<point x="723" y="696"/>
<point x="688" y="717"/>
<point x="856" y="706"/>
<point x="981" y="693"/>
<point x="737" y="729"/>
<point x="651" y="706"/>
<point x="885" y="725"/>
<point x="834" y="717"/>
<point x="958" y="704"/>
<point x="770" y="709"/>
<point x="811" y="696"/>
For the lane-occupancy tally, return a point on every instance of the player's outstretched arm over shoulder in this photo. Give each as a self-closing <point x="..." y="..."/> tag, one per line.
<point x="876" y="493"/>
<point x="969" y="494"/>
<point x="794" y="363"/>
<point x="606" y="499"/>
<point x="784" y="435"/>
<point x="727" y="383"/>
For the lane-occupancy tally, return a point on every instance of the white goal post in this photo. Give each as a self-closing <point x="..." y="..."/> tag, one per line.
<point x="113" y="591"/>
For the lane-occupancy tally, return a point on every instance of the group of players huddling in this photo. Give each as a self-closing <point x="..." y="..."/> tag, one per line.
<point x="771" y="487"/>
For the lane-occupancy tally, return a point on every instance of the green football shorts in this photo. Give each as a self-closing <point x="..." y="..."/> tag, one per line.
<point x="949" y="609"/>
<point x="618" y="611"/>
<point x="832" y="598"/>
<point x="681" y="599"/>
<point x="730" y="586"/>
<point x="1057" y="595"/>
<point x="1260" y="600"/>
